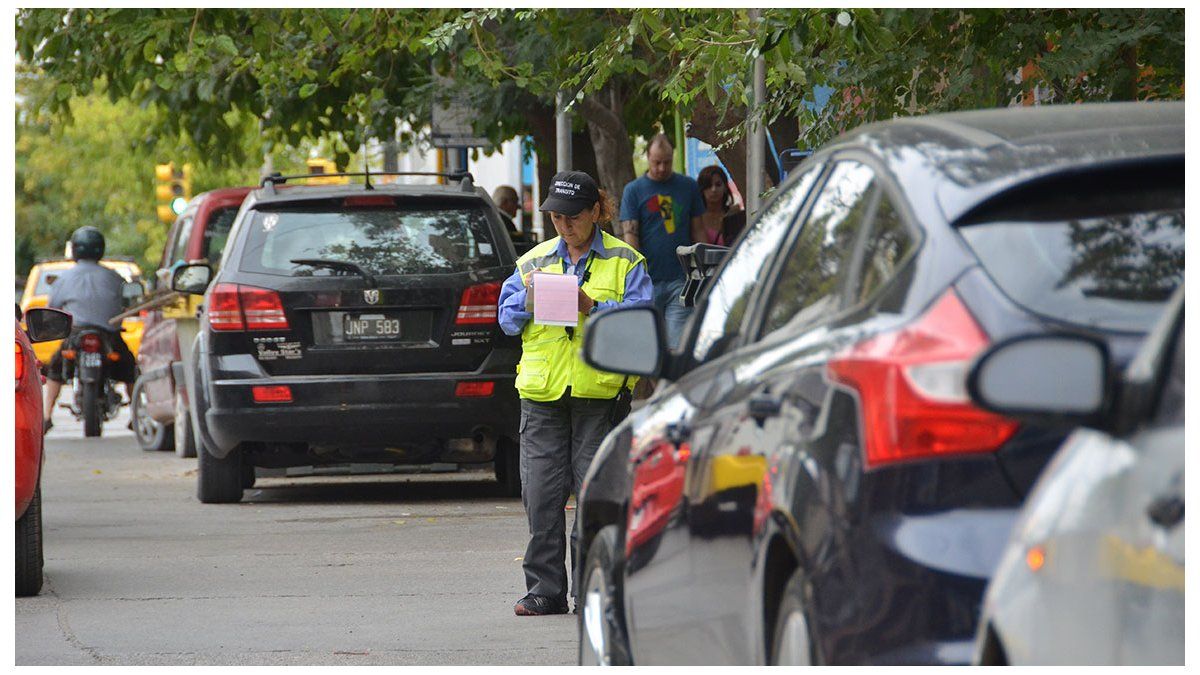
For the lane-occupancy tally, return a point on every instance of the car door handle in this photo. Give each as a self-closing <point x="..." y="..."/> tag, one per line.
<point x="1166" y="511"/>
<point x="764" y="405"/>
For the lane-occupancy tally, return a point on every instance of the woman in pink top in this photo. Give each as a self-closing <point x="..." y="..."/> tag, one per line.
<point x="721" y="224"/>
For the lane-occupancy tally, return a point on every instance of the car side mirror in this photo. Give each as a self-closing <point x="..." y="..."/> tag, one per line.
<point x="43" y="324"/>
<point x="192" y="279"/>
<point x="1049" y="379"/>
<point x="626" y="340"/>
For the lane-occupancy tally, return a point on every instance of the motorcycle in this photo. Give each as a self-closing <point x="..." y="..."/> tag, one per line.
<point x="95" y="399"/>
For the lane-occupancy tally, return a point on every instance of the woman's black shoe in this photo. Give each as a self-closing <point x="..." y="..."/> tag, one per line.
<point x="539" y="605"/>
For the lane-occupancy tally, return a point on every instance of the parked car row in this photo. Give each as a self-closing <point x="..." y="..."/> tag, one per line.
<point x="815" y="482"/>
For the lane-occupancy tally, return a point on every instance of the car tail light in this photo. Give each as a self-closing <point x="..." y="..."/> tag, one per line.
<point x="474" y="389"/>
<point x="114" y="357"/>
<point x="91" y="343"/>
<point x="373" y="200"/>
<point x="911" y="385"/>
<point x="224" y="309"/>
<point x="272" y="394"/>
<point x="478" y="304"/>
<point x="68" y="354"/>
<point x="20" y="370"/>
<point x="262" y="308"/>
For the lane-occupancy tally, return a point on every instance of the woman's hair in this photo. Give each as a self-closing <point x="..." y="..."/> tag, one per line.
<point x="705" y="179"/>
<point x="608" y="210"/>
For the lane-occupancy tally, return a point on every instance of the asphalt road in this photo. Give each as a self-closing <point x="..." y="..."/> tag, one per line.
<point x="375" y="570"/>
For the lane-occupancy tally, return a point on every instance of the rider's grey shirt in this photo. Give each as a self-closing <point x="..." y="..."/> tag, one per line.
<point x="90" y="292"/>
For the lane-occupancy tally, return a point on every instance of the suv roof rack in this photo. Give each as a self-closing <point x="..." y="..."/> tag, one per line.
<point x="466" y="181"/>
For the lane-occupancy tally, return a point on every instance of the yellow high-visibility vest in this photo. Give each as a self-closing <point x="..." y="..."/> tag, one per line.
<point x="551" y="361"/>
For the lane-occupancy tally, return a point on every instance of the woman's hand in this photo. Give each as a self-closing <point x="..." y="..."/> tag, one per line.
<point x="585" y="302"/>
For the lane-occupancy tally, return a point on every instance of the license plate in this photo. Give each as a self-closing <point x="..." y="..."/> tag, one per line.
<point x="90" y="360"/>
<point x="370" y="327"/>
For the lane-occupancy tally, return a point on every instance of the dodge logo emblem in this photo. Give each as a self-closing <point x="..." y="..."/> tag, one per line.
<point x="371" y="296"/>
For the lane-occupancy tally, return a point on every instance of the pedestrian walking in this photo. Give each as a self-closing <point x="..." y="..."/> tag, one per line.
<point x="659" y="212"/>
<point x="567" y="407"/>
<point x="507" y="202"/>
<point x="722" y="222"/>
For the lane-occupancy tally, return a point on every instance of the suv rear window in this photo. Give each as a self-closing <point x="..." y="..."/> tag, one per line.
<point x="381" y="240"/>
<point x="1113" y="272"/>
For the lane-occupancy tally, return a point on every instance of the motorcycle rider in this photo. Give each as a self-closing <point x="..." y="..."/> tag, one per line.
<point x="91" y="293"/>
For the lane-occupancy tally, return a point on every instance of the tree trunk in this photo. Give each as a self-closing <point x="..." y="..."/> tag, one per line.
<point x="610" y="139"/>
<point x="707" y="125"/>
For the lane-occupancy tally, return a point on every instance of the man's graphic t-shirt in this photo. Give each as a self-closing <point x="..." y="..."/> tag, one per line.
<point x="664" y="212"/>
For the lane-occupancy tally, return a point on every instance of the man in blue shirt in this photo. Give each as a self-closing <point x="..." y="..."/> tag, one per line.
<point x="659" y="212"/>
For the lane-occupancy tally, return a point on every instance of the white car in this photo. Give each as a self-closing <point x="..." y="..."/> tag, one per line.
<point x="1094" y="570"/>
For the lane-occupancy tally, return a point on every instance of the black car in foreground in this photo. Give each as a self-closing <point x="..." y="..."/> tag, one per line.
<point x="814" y="484"/>
<point x="354" y="324"/>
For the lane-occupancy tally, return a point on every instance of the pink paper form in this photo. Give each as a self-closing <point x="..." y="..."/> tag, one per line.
<point x="555" y="299"/>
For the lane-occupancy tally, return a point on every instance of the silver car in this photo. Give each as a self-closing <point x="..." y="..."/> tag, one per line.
<point x="1094" y="570"/>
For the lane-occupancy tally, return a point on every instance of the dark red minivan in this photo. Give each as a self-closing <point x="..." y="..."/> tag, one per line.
<point x="160" y="414"/>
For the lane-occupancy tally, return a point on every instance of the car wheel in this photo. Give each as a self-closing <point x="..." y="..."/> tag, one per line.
<point x="185" y="441"/>
<point x="602" y="640"/>
<point x="792" y="643"/>
<point x="219" y="481"/>
<point x="508" y="467"/>
<point x="152" y="435"/>
<point x="29" y="548"/>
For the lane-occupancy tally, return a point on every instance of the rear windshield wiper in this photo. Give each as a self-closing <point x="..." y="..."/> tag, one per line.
<point x="337" y="265"/>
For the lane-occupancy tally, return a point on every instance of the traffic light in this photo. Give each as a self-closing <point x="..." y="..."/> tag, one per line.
<point x="173" y="190"/>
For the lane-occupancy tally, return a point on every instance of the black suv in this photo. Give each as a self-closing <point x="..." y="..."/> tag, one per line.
<point x="354" y="323"/>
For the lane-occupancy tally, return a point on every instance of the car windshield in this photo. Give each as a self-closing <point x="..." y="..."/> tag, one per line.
<point x="380" y="240"/>
<point x="1113" y="272"/>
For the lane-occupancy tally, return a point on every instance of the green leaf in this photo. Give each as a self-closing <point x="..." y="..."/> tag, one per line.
<point x="63" y="92"/>
<point x="308" y="90"/>
<point x="164" y="81"/>
<point x="224" y="45"/>
<point x="150" y="50"/>
<point x="471" y="57"/>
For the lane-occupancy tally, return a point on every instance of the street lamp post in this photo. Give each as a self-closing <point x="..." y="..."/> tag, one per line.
<point x="756" y="135"/>
<point x="562" y="130"/>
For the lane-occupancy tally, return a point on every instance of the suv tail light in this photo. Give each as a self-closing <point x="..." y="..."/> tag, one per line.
<point x="91" y="343"/>
<point x="260" y="307"/>
<point x="224" y="309"/>
<point x="911" y="385"/>
<point x="478" y="304"/>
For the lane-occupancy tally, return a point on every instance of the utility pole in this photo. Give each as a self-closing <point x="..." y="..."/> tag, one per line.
<point x="562" y="132"/>
<point x="755" y="134"/>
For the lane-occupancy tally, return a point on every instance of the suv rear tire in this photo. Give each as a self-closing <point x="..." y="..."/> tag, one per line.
<point x="219" y="481"/>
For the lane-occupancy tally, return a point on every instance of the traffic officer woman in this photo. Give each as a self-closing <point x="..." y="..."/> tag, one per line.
<point x="566" y="406"/>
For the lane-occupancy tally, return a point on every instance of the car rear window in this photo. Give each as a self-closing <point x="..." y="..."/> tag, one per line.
<point x="44" y="282"/>
<point x="1112" y="272"/>
<point x="216" y="232"/>
<point x="385" y="240"/>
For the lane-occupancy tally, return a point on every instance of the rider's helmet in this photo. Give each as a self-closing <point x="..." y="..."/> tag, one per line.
<point x="87" y="243"/>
